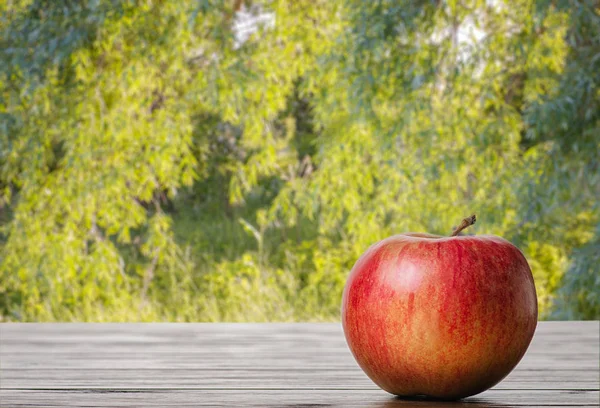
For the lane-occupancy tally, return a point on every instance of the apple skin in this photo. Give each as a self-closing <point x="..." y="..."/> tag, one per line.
<point x="442" y="317"/>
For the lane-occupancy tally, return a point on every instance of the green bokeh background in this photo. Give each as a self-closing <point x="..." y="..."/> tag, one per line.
<point x="155" y="166"/>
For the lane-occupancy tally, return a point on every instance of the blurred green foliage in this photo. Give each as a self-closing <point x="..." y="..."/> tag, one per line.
<point x="155" y="167"/>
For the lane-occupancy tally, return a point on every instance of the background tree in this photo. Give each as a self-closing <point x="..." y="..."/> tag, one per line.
<point x="164" y="161"/>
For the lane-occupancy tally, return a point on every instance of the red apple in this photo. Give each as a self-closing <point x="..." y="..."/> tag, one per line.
<point x="443" y="317"/>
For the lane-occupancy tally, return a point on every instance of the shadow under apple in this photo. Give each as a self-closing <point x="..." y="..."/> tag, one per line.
<point x="423" y="401"/>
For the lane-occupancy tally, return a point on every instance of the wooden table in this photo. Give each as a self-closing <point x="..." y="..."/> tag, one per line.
<point x="240" y="365"/>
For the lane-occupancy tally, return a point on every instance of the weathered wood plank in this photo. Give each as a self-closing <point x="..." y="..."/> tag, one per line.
<point x="290" y="378"/>
<point x="204" y="346"/>
<point x="183" y="359"/>
<point x="280" y="398"/>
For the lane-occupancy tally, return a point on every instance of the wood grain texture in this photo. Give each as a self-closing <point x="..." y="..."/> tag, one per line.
<point x="255" y="365"/>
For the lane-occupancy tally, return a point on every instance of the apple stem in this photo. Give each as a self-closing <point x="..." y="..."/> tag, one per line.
<point x="464" y="224"/>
